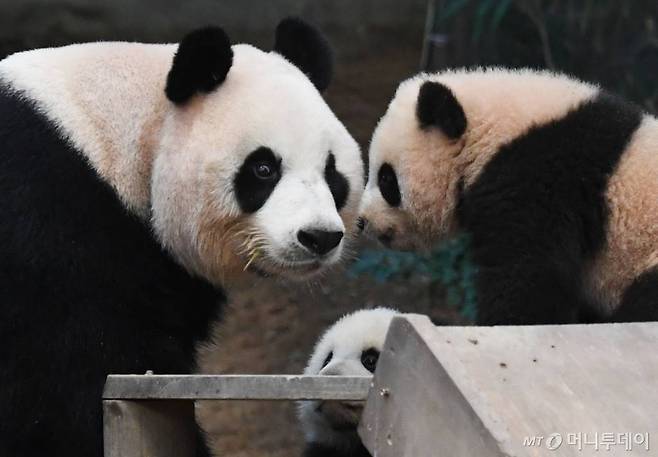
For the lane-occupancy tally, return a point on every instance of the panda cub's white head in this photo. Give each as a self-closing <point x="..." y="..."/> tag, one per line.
<point x="439" y="132"/>
<point x="350" y="347"/>
<point x="254" y="170"/>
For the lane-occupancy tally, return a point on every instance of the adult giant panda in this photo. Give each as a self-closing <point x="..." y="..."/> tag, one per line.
<point x="555" y="181"/>
<point x="135" y="181"/>
<point x="350" y="347"/>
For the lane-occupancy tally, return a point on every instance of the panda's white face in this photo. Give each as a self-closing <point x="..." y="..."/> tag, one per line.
<point x="350" y="347"/>
<point x="256" y="175"/>
<point x="412" y="181"/>
<point x="229" y="152"/>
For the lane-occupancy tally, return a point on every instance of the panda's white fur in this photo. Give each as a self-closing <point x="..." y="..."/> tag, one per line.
<point x="345" y="340"/>
<point x="632" y="237"/>
<point x="501" y="105"/>
<point x="107" y="99"/>
<point x="174" y="164"/>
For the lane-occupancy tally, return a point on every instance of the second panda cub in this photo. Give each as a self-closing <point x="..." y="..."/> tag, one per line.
<point x="350" y="347"/>
<point x="553" y="180"/>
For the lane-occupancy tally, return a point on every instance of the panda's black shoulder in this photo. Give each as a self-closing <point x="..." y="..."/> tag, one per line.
<point x="70" y="248"/>
<point x="556" y="173"/>
<point x="85" y="290"/>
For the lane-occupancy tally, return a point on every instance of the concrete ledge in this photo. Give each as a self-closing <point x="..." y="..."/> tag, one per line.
<point x="236" y="387"/>
<point x="513" y="391"/>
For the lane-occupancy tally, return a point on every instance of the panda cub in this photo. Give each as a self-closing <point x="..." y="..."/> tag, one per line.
<point x="350" y="347"/>
<point x="138" y="180"/>
<point x="554" y="180"/>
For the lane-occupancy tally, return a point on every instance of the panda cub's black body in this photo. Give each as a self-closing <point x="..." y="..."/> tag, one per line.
<point x="554" y="180"/>
<point x="123" y="211"/>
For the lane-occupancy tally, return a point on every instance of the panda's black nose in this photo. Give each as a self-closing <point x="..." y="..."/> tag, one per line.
<point x="319" y="242"/>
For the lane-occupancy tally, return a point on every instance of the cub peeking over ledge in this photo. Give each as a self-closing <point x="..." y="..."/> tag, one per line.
<point x="350" y="347"/>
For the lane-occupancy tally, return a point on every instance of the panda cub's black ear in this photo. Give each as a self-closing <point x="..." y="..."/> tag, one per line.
<point x="438" y="107"/>
<point x="307" y="49"/>
<point x="201" y="63"/>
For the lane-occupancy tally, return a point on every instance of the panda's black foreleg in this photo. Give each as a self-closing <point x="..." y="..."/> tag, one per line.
<point x="526" y="293"/>
<point x="640" y="300"/>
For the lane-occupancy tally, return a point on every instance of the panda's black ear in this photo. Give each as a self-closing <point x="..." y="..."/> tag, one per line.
<point x="201" y="63"/>
<point x="438" y="107"/>
<point x="306" y="48"/>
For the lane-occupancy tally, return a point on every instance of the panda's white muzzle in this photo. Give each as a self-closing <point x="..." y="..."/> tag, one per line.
<point x="301" y="224"/>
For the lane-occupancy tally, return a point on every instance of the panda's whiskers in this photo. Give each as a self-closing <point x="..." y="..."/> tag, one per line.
<point x="251" y="245"/>
<point x="252" y="257"/>
<point x="227" y="242"/>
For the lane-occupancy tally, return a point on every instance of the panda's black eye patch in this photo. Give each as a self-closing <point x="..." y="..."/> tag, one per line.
<point x="337" y="183"/>
<point x="388" y="185"/>
<point x="327" y="359"/>
<point x="256" y="179"/>
<point x="369" y="359"/>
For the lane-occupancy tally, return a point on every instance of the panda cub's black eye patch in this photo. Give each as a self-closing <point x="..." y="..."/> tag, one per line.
<point x="337" y="183"/>
<point x="328" y="359"/>
<point x="256" y="179"/>
<point x="388" y="185"/>
<point x="369" y="359"/>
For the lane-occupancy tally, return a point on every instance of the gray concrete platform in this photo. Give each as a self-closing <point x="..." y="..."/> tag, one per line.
<point x="514" y="391"/>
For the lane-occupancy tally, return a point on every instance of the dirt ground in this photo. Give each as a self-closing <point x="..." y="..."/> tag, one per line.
<point x="271" y="328"/>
